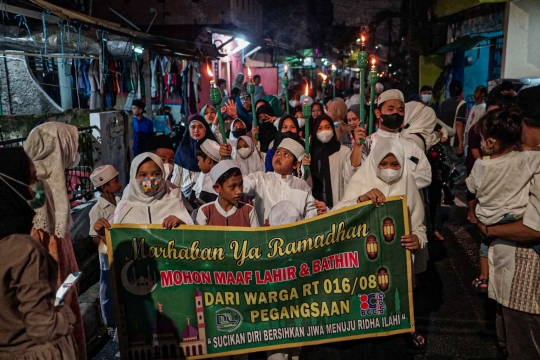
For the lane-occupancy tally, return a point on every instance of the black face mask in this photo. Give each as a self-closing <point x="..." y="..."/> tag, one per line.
<point x="239" y="132"/>
<point x="392" y="121"/>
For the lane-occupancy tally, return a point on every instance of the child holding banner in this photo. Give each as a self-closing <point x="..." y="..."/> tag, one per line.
<point x="273" y="187"/>
<point x="105" y="179"/>
<point x="148" y="199"/>
<point x="386" y="173"/>
<point x="227" y="210"/>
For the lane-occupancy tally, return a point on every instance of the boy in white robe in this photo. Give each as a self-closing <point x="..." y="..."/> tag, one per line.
<point x="272" y="187"/>
<point x="105" y="179"/>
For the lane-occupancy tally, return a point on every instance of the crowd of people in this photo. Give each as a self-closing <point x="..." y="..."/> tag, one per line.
<point x="258" y="176"/>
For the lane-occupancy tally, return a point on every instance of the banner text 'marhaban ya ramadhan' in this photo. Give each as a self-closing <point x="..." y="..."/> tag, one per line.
<point x="200" y="292"/>
<point x="242" y="251"/>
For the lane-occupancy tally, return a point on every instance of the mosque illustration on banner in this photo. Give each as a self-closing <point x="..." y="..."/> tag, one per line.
<point x="138" y="285"/>
<point x="165" y="343"/>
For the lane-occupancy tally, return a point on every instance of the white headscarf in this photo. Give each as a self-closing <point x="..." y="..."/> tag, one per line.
<point x="366" y="179"/>
<point x="420" y="119"/>
<point x="53" y="147"/>
<point x="253" y="162"/>
<point x="136" y="207"/>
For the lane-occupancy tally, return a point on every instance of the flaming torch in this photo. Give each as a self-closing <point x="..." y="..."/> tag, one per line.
<point x="323" y="76"/>
<point x="306" y="112"/>
<point x="251" y="92"/>
<point x="215" y="97"/>
<point x="334" y="81"/>
<point x="372" y="83"/>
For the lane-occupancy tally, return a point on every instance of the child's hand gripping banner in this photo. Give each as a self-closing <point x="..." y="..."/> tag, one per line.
<point x="203" y="291"/>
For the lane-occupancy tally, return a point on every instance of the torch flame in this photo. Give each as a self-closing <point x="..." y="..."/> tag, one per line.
<point x="209" y="72"/>
<point x="323" y="76"/>
<point x="333" y="67"/>
<point x="307" y="89"/>
<point x="249" y="71"/>
<point x="373" y="61"/>
<point x="286" y="68"/>
<point x="363" y="38"/>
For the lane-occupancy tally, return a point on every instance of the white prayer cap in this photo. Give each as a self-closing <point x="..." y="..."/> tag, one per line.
<point x="103" y="175"/>
<point x="211" y="149"/>
<point x="284" y="212"/>
<point x="221" y="168"/>
<point x="293" y="146"/>
<point x="392" y="94"/>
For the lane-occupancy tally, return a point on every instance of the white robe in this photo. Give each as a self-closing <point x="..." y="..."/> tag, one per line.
<point x="366" y="179"/>
<point x="270" y="188"/>
<point x="138" y="208"/>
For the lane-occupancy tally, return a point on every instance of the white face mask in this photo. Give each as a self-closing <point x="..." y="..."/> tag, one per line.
<point x="244" y="152"/>
<point x="426" y="98"/>
<point x="301" y="122"/>
<point x="325" y="136"/>
<point x="168" y="170"/>
<point x="388" y="175"/>
<point x="293" y="103"/>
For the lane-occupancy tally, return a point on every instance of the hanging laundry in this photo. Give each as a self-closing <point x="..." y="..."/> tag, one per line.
<point x="190" y="90"/>
<point x="128" y="85"/>
<point x="153" y="84"/>
<point x="95" y="84"/>
<point x="113" y="74"/>
<point x="141" y="80"/>
<point x="135" y="79"/>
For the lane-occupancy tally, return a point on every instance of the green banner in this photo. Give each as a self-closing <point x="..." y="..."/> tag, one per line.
<point x="204" y="291"/>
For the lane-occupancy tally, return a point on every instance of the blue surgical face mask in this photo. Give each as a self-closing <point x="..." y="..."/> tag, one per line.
<point x="38" y="188"/>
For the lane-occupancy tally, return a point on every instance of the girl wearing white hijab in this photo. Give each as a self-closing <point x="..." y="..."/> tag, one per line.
<point x="53" y="147"/>
<point x="148" y="199"/>
<point x="247" y="156"/>
<point x="382" y="176"/>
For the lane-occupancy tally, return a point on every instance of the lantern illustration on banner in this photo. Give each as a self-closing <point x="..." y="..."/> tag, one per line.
<point x="383" y="280"/>
<point x="388" y="229"/>
<point x="372" y="247"/>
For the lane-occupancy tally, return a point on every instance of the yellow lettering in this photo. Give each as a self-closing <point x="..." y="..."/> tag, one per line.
<point x="208" y="299"/>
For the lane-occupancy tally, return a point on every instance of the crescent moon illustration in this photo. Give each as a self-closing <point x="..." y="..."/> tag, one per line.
<point x="140" y="286"/>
